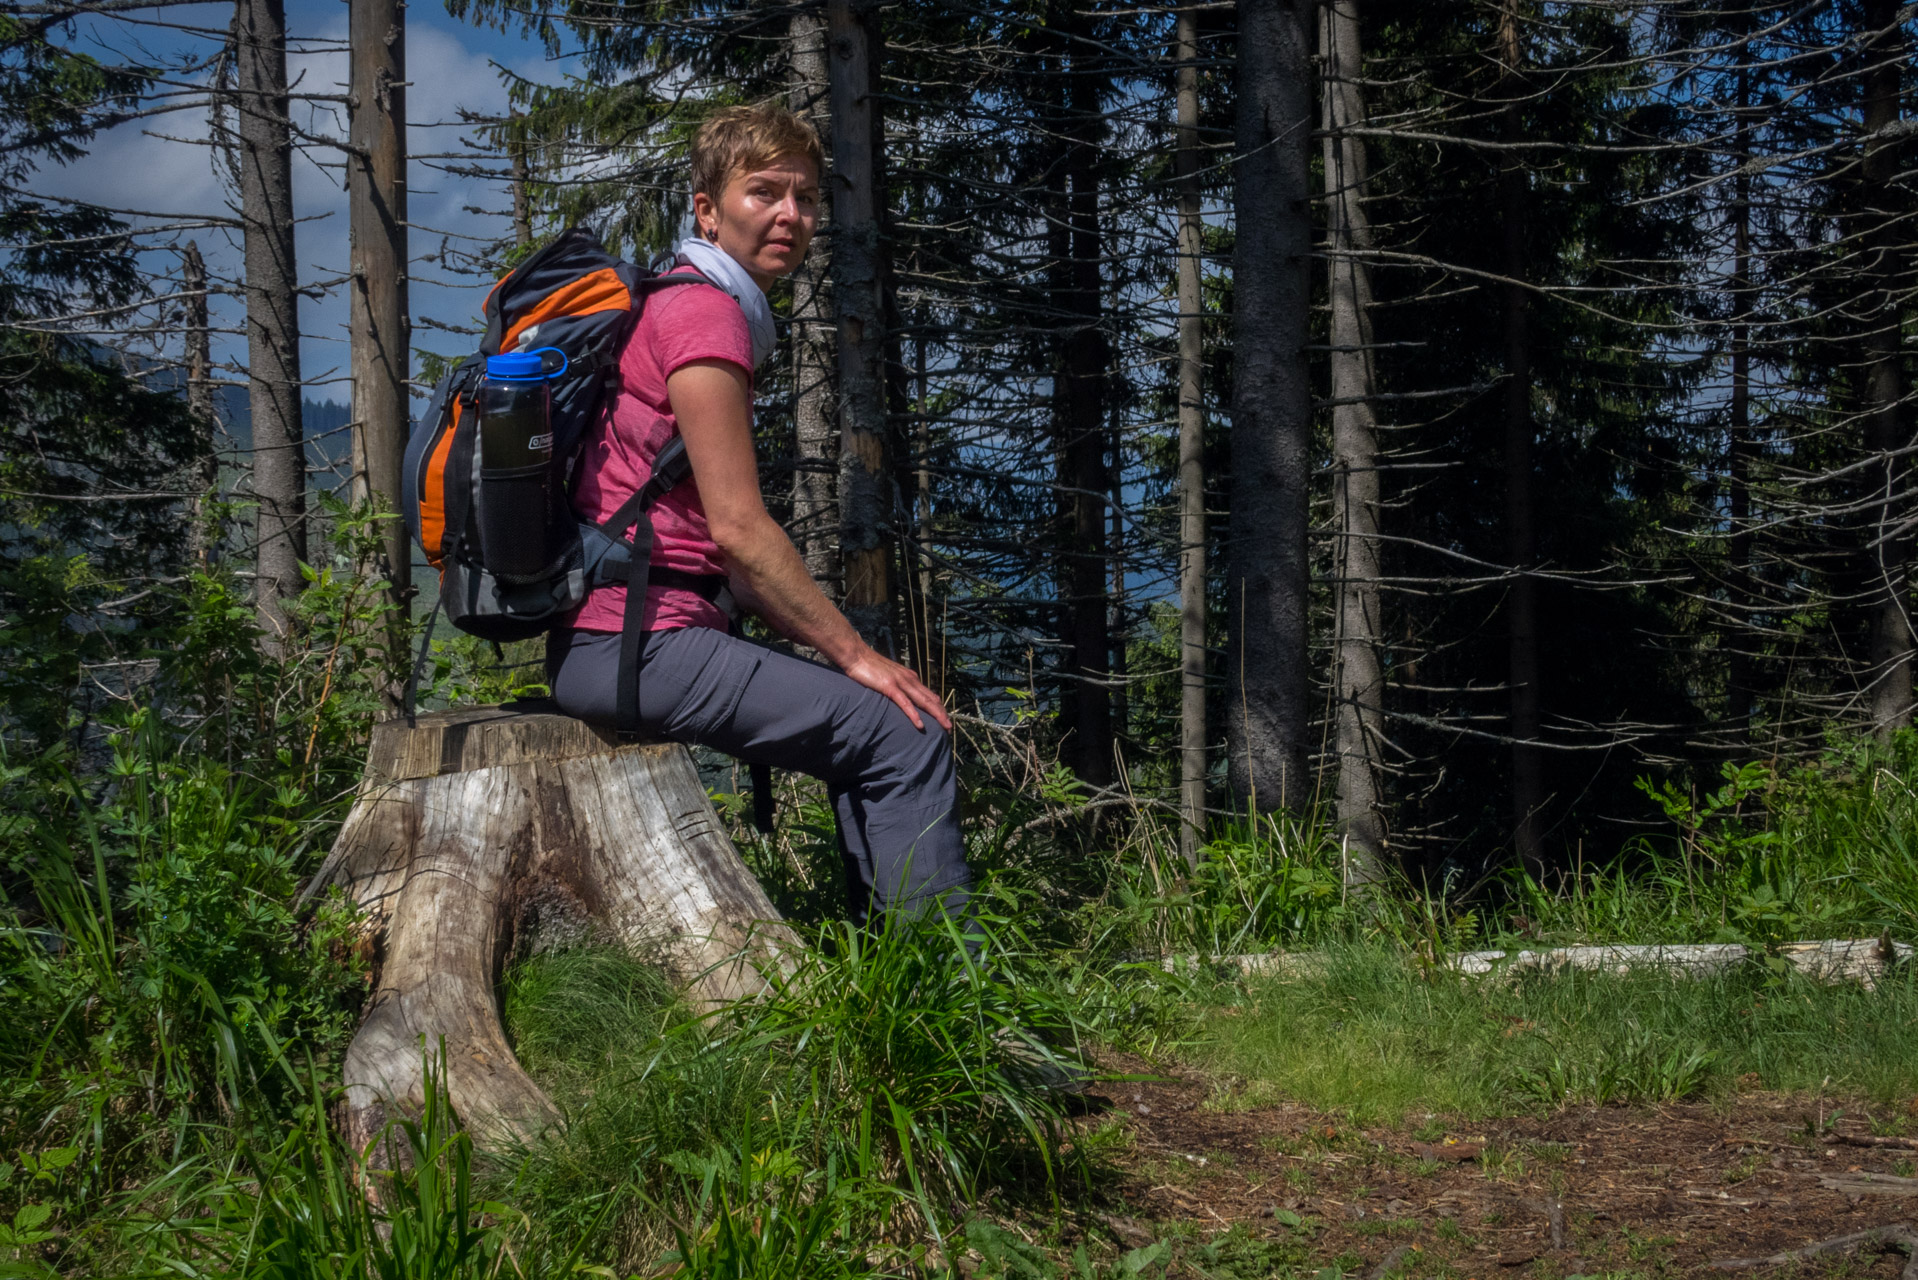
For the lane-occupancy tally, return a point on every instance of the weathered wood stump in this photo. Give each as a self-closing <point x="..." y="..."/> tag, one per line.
<point x="484" y="829"/>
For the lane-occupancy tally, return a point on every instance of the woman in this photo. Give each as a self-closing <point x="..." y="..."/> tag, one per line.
<point x="871" y="730"/>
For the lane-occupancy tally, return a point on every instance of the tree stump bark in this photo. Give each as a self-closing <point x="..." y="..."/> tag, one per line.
<point x="478" y="829"/>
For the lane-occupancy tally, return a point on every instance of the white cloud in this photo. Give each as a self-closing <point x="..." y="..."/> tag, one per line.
<point x="449" y="67"/>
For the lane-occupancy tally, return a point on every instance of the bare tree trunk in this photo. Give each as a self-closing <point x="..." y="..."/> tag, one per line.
<point x="1357" y="674"/>
<point x="1115" y="561"/>
<point x="522" y="193"/>
<point x="199" y="400"/>
<point x="378" y="328"/>
<point x="272" y="318"/>
<point x="1057" y="222"/>
<point x="1521" y="602"/>
<point x="865" y="504"/>
<point x="1885" y="435"/>
<point x="899" y="393"/>
<point x="816" y="446"/>
<point x="1267" y="576"/>
<point x="1080" y="422"/>
<point x="1192" y="727"/>
<point x="925" y="637"/>
<point x="199" y="338"/>
<point x="1741" y="597"/>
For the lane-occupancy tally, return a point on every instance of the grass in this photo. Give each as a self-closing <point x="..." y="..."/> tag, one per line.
<point x="1382" y="1038"/>
<point x="873" y="1096"/>
<point x="301" y="1210"/>
<point x="170" y="1029"/>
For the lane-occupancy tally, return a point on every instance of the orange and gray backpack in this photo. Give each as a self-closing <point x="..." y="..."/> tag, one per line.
<point x="576" y="302"/>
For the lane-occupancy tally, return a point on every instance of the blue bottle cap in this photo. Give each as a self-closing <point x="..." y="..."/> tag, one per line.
<point x="516" y="366"/>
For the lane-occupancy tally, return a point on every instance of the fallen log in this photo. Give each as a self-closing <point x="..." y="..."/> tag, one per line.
<point x="1856" y="1185"/>
<point x="1861" y="960"/>
<point x="485" y="831"/>
<point x="1897" y="1235"/>
<point x="1874" y="1140"/>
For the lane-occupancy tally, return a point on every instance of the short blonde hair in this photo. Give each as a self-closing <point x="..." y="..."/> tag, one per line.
<point x="737" y="140"/>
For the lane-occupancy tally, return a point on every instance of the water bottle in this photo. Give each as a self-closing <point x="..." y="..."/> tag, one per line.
<point x="520" y="503"/>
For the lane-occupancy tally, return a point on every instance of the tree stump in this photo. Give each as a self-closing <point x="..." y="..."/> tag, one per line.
<point x="479" y="829"/>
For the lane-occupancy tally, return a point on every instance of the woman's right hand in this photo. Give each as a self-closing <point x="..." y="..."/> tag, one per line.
<point x="900" y="683"/>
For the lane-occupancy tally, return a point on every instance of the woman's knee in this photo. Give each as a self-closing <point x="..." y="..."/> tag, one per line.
<point x="921" y="756"/>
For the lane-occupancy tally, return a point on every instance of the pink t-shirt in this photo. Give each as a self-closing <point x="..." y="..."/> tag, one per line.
<point x="679" y="324"/>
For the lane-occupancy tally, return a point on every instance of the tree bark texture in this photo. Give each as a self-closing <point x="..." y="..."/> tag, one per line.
<point x="483" y="832"/>
<point x="378" y="328"/>
<point x="865" y="478"/>
<point x="815" y="517"/>
<point x="1079" y="422"/>
<point x="272" y="317"/>
<point x="1266" y="579"/>
<point x="1521" y="600"/>
<point x="199" y="400"/>
<point x="1192" y="611"/>
<point x="1357" y="675"/>
<point x="1881" y="308"/>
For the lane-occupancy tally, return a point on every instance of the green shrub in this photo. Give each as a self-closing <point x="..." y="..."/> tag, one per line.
<point x="152" y="969"/>
<point x="1772" y="855"/>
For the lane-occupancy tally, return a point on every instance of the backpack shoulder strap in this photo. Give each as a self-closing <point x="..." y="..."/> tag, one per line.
<point x="671" y="468"/>
<point x="665" y="279"/>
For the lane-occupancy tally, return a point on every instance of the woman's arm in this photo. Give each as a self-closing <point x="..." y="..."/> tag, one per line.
<point x="711" y="401"/>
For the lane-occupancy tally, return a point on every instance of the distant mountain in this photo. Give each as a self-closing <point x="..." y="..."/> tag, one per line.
<point x="329" y="444"/>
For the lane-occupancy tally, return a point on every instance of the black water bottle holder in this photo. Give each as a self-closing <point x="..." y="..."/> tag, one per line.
<point x="517" y="522"/>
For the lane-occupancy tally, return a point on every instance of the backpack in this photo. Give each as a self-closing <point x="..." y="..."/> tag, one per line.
<point x="574" y="297"/>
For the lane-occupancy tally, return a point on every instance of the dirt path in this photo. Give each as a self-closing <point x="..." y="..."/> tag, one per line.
<point x="1658" y="1192"/>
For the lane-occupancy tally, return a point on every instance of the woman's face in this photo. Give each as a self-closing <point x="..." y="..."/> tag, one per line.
<point x="765" y="218"/>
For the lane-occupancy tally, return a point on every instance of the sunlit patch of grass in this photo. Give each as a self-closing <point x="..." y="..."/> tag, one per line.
<point x="1377" y="1037"/>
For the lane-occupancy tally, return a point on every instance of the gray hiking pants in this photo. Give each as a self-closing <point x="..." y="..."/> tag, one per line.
<point x="892" y="786"/>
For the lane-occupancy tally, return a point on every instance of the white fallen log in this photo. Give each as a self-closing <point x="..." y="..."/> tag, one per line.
<point x="485" y="831"/>
<point x="1861" y="960"/>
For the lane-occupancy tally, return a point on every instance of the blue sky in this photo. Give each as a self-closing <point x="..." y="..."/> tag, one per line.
<point x="154" y="165"/>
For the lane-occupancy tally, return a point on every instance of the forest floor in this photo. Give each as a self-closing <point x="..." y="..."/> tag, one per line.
<point x="1615" y="1191"/>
